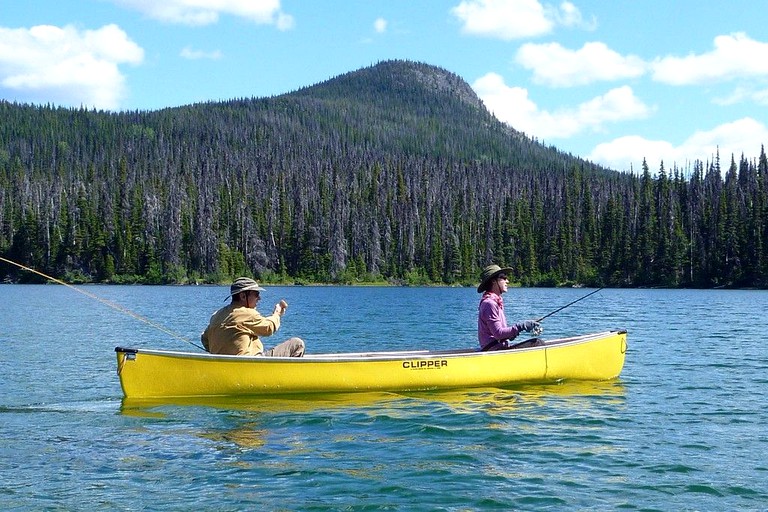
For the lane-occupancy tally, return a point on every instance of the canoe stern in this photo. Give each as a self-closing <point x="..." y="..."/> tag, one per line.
<point x="599" y="358"/>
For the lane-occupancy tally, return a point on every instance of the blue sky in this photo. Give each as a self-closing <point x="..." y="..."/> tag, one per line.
<point x="612" y="81"/>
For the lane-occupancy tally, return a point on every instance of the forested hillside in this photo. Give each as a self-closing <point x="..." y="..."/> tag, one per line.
<point x="394" y="172"/>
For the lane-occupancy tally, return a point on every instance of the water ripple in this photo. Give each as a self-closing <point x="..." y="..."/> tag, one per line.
<point x="683" y="429"/>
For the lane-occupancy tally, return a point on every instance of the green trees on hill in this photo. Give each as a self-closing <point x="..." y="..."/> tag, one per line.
<point x="395" y="172"/>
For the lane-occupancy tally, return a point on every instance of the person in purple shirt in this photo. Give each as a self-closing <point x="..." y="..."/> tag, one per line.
<point x="492" y="330"/>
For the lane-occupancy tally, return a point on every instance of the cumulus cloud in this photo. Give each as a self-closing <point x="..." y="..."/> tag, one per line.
<point x="513" y="106"/>
<point x="745" y="136"/>
<point x="380" y="25"/>
<point x="66" y="66"/>
<point x="512" y="19"/>
<point x="569" y="15"/>
<point x="516" y="19"/>
<point x="734" y="57"/>
<point x="197" y="12"/>
<point x="556" y="66"/>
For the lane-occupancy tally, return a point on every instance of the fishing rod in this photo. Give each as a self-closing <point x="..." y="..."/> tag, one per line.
<point x="104" y="301"/>
<point x="569" y="304"/>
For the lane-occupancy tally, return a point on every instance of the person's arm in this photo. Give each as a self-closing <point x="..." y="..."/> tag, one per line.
<point x="204" y="340"/>
<point x="262" y="325"/>
<point x="205" y="336"/>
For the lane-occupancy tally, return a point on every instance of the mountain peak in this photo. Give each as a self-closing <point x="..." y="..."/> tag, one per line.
<point x="398" y="81"/>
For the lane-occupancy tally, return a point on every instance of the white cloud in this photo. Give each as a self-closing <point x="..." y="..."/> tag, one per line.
<point x="569" y="15"/>
<point x="744" y="136"/>
<point x="284" y="21"/>
<point x="761" y="97"/>
<point x="189" y="53"/>
<point x="513" y="106"/>
<point x="63" y="65"/>
<point x="509" y="104"/>
<point x="616" y="105"/>
<point x="554" y="65"/>
<point x="734" y="56"/>
<point x="744" y="93"/>
<point x="206" y="12"/>
<point x="627" y="153"/>
<point x="380" y="25"/>
<point x="504" y="19"/>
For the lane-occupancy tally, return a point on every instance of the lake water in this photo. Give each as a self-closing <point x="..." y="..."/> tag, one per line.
<point x="684" y="428"/>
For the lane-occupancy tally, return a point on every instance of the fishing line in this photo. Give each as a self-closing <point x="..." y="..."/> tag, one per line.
<point x="569" y="304"/>
<point x="104" y="301"/>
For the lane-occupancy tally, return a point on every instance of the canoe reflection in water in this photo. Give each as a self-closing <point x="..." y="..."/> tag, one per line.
<point x="251" y="422"/>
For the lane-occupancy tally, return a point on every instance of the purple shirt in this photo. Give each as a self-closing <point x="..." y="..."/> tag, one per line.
<point x="492" y="323"/>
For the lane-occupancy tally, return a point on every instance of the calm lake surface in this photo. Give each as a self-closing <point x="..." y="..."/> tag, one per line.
<point x="684" y="428"/>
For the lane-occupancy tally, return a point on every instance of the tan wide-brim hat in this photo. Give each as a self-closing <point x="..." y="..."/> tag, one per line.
<point x="244" y="284"/>
<point x="489" y="273"/>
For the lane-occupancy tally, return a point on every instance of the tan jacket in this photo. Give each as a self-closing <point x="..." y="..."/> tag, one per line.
<point x="235" y="331"/>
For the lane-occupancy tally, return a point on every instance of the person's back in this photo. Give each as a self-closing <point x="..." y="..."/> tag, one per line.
<point x="235" y="329"/>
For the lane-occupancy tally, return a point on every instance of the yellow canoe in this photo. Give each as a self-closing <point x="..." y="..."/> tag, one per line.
<point x="146" y="373"/>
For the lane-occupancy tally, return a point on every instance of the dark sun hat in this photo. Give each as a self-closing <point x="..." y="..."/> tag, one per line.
<point x="488" y="273"/>
<point x="244" y="284"/>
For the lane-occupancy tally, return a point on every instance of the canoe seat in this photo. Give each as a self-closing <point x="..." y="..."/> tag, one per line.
<point x="533" y="342"/>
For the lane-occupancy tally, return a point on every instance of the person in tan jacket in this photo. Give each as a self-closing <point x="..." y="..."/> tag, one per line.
<point x="235" y="328"/>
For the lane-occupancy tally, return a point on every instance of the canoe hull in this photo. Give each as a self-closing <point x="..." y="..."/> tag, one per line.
<point x="156" y="374"/>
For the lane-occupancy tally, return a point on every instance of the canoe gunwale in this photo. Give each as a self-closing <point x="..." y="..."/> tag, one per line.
<point x="375" y="356"/>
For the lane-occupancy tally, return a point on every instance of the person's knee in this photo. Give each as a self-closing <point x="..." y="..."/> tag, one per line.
<point x="298" y="347"/>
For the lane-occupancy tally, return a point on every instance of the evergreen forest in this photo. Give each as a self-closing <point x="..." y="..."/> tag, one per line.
<point x="393" y="173"/>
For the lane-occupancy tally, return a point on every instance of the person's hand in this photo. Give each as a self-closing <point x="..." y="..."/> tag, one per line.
<point x="531" y="326"/>
<point x="280" y="307"/>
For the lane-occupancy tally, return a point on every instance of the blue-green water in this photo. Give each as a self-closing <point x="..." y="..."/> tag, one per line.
<point x="684" y="428"/>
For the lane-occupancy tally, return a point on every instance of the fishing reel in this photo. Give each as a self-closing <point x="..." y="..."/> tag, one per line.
<point x="537" y="330"/>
